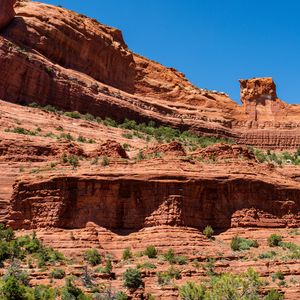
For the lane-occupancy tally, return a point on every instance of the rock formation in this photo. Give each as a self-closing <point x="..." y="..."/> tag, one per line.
<point x="119" y="203"/>
<point x="83" y="182"/>
<point x="91" y="69"/>
<point x="7" y="12"/>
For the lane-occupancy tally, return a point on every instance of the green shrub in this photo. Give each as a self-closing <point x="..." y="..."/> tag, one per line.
<point x="121" y="296"/>
<point x="70" y="292"/>
<point x="126" y="146"/>
<point x="140" y="156"/>
<point x="170" y="256"/>
<point x="81" y="139"/>
<point x="105" y="161"/>
<point x="273" y="295"/>
<point x="34" y="105"/>
<point x="151" y="251"/>
<point x="294" y="231"/>
<point x="49" y="70"/>
<point x="150" y="297"/>
<point x="274" y="240"/>
<point x="93" y="257"/>
<point x="226" y="286"/>
<point x="66" y="136"/>
<point x="89" y="117"/>
<point x="208" y="231"/>
<point x="209" y="267"/>
<point x="43" y="292"/>
<point x="127" y="254"/>
<point x="164" y="278"/>
<point x="238" y="243"/>
<point x="192" y="291"/>
<point x="108" y="266"/>
<point x="146" y="265"/>
<point x="267" y="255"/>
<point x="12" y="289"/>
<point x="110" y="122"/>
<point x="50" y="108"/>
<point x="48" y="255"/>
<point x="30" y="244"/>
<point x="181" y="260"/>
<point x="127" y="135"/>
<point x="278" y="275"/>
<point x="74" y="161"/>
<point x="132" y="278"/>
<point x="58" y="273"/>
<point x="73" y="114"/>
<point x="6" y="234"/>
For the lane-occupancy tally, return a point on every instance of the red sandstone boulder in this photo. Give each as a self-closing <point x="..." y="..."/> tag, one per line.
<point x="7" y="12"/>
<point x="111" y="149"/>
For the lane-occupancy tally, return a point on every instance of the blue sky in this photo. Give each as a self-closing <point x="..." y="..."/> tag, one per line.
<point x="214" y="43"/>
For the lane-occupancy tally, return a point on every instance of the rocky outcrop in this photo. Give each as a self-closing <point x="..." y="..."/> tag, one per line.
<point x="225" y="151"/>
<point x="120" y="203"/>
<point x="53" y="56"/>
<point x="171" y="149"/>
<point x="7" y="12"/>
<point x="111" y="149"/>
<point x="24" y="151"/>
<point x="260" y="101"/>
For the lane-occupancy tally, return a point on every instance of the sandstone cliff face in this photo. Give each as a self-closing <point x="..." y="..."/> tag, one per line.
<point x="268" y="121"/>
<point x="75" y="42"/>
<point x="260" y="100"/>
<point x="123" y="203"/>
<point x="53" y="56"/>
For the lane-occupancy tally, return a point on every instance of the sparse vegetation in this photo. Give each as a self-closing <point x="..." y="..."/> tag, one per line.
<point x="146" y="265"/>
<point x="174" y="259"/>
<point x="208" y="232"/>
<point x="164" y="278"/>
<point x="58" y="273"/>
<point x="238" y="243"/>
<point x="127" y="254"/>
<point x="225" y="286"/>
<point x="72" y="160"/>
<point x="132" y="278"/>
<point x="151" y="251"/>
<point x="105" y="161"/>
<point x="267" y="255"/>
<point x="278" y="158"/>
<point x="278" y="275"/>
<point x="274" y="240"/>
<point x="21" y="130"/>
<point x="143" y="130"/>
<point x="93" y="257"/>
<point x="73" y="114"/>
<point x="274" y="295"/>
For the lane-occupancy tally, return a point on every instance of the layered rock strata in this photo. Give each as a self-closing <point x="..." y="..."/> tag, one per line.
<point x="124" y="203"/>
<point x="53" y="56"/>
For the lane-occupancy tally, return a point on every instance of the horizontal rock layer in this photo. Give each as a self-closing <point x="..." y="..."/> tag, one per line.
<point x="124" y="203"/>
<point x="75" y="63"/>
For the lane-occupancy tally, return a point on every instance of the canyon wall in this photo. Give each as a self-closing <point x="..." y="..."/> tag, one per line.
<point x="50" y="55"/>
<point x="131" y="204"/>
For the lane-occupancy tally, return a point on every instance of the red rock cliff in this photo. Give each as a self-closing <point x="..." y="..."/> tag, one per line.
<point x="53" y="56"/>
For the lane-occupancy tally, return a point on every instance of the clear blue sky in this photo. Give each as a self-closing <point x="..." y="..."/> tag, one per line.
<point x="214" y="42"/>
